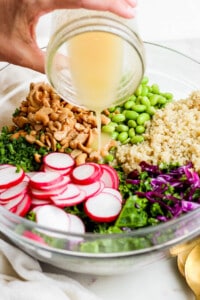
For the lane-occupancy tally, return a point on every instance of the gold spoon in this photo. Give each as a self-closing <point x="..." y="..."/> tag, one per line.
<point x="181" y="259"/>
<point x="175" y="250"/>
<point x="192" y="271"/>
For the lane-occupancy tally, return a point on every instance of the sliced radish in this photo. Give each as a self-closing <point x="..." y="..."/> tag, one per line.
<point x="70" y="192"/>
<point x="4" y="166"/>
<point x="113" y="192"/>
<point x="36" y="208"/>
<point x="103" y="207"/>
<point x="11" y="205"/>
<point x="109" y="176"/>
<point x="23" y="206"/>
<point x="70" y="201"/>
<point x="26" y="178"/>
<point x="63" y="172"/>
<point x="86" y="173"/>
<point x="76" y="224"/>
<point x="42" y="179"/>
<point x="64" y="180"/>
<point x="2" y="190"/>
<point x="38" y="202"/>
<point x="42" y="194"/>
<point x="31" y="174"/>
<point x="10" y="176"/>
<point x="33" y="236"/>
<point x="92" y="188"/>
<point x="58" y="161"/>
<point x="52" y="217"/>
<point x="14" y="191"/>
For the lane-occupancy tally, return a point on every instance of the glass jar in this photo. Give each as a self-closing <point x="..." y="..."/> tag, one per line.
<point x="94" y="59"/>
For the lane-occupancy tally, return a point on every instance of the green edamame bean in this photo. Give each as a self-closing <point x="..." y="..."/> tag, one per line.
<point x="131" y="123"/>
<point x="145" y="90"/>
<point x="142" y="118"/>
<point x="139" y="108"/>
<point x="131" y="115"/>
<point x="145" y="80"/>
<point x="109" y="158"/>
<point x="118" y="118"/>
<point x="145" y="101"/>
<point x="128" y="104"/>
<point x="124" y="112"/>
<point x="108" y="128"/>
<point x="137" y="139"/>
<point x="122" y="137"/>
<point x="151" y="110"/>
<point x="149" y="95"/>
<point x="138" y="91"/>
<point x="140" y="129"/>
<point x="154" y="99"/>
<point x="111" y="109"/>
<point x="114" y="135"/>
<point x="169" y="96"/>
<point x="155" y="89"/>
<point x="162" y="100"/>
<point x="131" y="132"/>
<point x="118" y="109"/>
<point x="112" y="124"/>
<point x="121" y="128"/>
<point x="132" y="98"/>
<point x="126" y="141"/>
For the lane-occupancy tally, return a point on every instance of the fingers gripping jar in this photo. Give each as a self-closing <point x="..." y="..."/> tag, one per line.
<point x="94" y="59"/>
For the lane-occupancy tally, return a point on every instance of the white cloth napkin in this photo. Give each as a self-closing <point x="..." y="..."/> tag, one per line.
<point x="21" y="278"/>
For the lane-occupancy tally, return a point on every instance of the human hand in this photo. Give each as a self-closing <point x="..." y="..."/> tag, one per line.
<point x="18" y="19"/>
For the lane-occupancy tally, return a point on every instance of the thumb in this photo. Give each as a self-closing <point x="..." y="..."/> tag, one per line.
<point x="30" y="56"/>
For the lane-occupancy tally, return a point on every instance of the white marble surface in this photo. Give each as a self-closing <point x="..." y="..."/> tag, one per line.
<point x="158" y="281"/>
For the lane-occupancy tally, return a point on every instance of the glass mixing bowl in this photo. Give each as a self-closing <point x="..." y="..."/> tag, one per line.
<point x="116" y="253"/>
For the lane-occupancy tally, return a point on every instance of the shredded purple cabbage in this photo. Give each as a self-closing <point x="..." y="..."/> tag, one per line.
<point x="183" y="182"/>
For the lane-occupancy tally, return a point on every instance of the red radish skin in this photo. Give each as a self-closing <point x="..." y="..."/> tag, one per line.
<point x="44" y="179"/>
<point x="62" y="172"/>
<point x="41" y="194"/>
<point x="70" y="201"/>
<point x="14" y="191"/>
<point x="13" y="203"/>
<point x="92" y="188"/>
<point x="26" y="178"/>
<point x="37" y="202"/>
<point x="9" y="176"/>
<point x="33" y="236"/>
<point x="71" y="191"/>
<point x="58" y="161"/>
<point x="103" y="207"/>
<point x="64" y="180"/>
<point x="109" y="176"/>
<point x="113" y="192"/>
<point x="24" y="206"/>
<point x="86" y="173"/>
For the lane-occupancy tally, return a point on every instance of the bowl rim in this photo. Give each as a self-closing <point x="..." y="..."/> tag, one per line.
<point x="145" y="43"/>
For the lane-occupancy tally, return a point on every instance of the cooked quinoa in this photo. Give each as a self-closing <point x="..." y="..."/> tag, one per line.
<point x="173" y="135"/>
